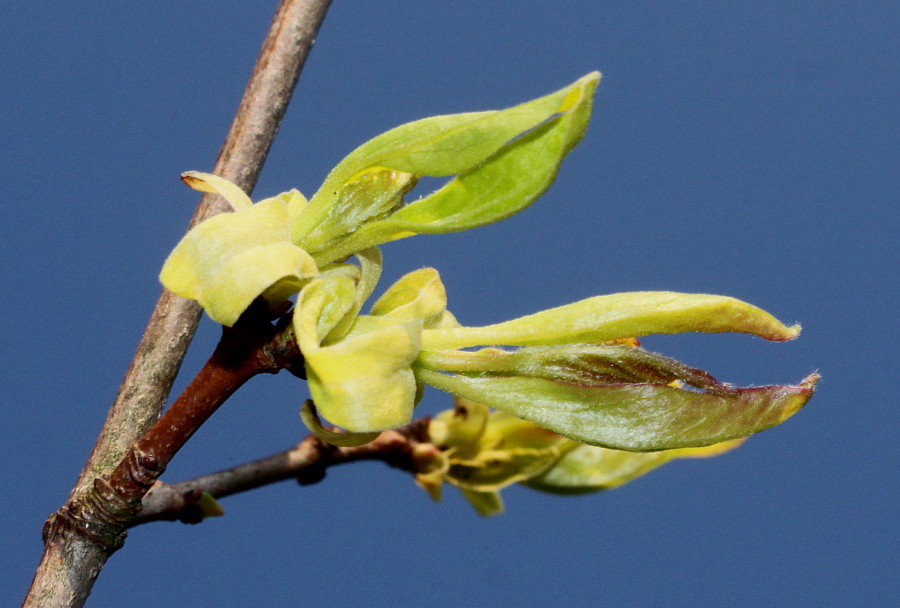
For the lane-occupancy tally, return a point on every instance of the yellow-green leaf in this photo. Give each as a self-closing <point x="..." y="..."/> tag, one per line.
<point x="372" y="194"/>
<point x="363" y="381"/>
<point x="588" y="468"/>
<point x="634" y="417"/>
<point x="585" y="364"/>
<point x="207" y="182"/>
<point x="417" y="295"/>
<point x="310" y="418"/>
<point x="504" y="161"/>
<point x="229" y="260"/>
<point x="621" y="315"/>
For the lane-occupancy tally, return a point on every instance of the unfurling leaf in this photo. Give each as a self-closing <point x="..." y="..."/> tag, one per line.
<point x="503" y="160"/>
<point x="634" y="417"/>
<point x="372" y="194"/>
<point x="342" y="439"/>
<point x="486" y="451"/>
<point x="612" y="394"/>
<point x="588" y="468"/>
<point x="616" y="316"/>
<point x="229" y="260"/>
<point x="417" y="295"/>
<point x="584" y="364"/>
<point x="362" y="381"/>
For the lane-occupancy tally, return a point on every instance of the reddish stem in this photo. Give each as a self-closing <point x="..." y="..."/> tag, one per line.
<point x="253" y="346"/>
<point x="243" y="352"/>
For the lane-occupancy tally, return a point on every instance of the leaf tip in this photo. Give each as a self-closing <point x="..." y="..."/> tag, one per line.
<point x="802" y="393"/>
<point x="195" y="181"/>
<point x="810" y="381"/>
<point x="790" y="333"/>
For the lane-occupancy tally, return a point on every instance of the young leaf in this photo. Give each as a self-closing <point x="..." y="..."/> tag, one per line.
<point x="310" y="418"/>
<point x="621" y="315"/>
<point x="500" y="170"/>
<point x="585" y="364"/>
<point x="633" y="417"/>
<point x="363" y="381"/>
<point x="207" y="182"/>
<point x="588" y="468"/>
<point x="372" y="194"/>
<point x="370" y="265"/>
<point x="417" y="295"/>
<point x="229" y="260"/>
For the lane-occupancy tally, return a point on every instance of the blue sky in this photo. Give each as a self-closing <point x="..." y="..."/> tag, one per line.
<point x="748" y="149"/>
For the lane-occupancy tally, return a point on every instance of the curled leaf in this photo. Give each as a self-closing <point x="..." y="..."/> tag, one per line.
<point x="342" y="439"/>
<point x="503" y="160"/>
<point x="616" y="316"/>
<point x="633" y="417"/>
<point x="588" y="468"/>
<point x="490" y="450"/>
<point x="417" y="295"/>
<point x="370" y="195"/>
<point x="370" y="264"/>
<point x="207" y="182"/>
<point x="461" y="428"/>
<point x="229" y="260"/>
<point x="362" y="381"/>
<point x="585" y="364"/>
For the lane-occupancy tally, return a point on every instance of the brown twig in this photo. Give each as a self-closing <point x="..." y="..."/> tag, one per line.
<point x="306" y="462"/>
<point x="71" y="561"/>
<point x="253" y="346"/>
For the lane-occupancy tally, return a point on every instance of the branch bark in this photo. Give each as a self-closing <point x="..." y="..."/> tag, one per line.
<point x="306" y="463"/>
<point x="71" y="560"/>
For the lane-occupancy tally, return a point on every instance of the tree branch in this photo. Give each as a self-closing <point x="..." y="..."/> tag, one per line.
<point x="306" y="462"/>
<point x="71" y="561"/>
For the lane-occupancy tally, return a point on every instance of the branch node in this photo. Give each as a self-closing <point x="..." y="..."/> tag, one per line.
<point x="99" y="515"/>
<point x="141" y="470"/>
<point x="317" y="468"/>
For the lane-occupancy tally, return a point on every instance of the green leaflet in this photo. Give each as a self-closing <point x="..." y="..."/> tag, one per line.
<point x="588" y="468"/>
<point x="504" y="161"/>
<point x="372" y="194"/>
<point x="584" y="364"/>
<point x="621" y="315"/>
<point x="633" y="417"/>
